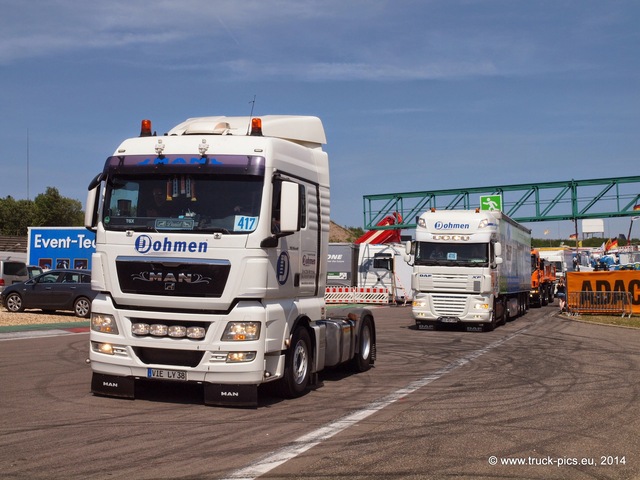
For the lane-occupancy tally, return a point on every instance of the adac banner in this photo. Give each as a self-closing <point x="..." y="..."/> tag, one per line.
<point x="61" y="247"/>
<point x="608" y="281"/>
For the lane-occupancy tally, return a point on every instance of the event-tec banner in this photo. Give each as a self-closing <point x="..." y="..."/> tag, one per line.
<point x="61" y="247"/>
<point x="608" y="281"/>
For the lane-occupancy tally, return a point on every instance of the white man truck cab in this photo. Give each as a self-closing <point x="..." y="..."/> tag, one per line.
<point x="211" y="248"/>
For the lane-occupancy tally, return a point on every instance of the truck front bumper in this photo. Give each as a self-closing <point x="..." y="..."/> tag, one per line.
<point x="122" y="357"/>
<point x="432" y="308"/>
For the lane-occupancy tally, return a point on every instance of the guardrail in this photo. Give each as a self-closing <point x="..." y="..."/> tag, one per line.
<point x="356" y="295"/>
<point x="603" y="303"/>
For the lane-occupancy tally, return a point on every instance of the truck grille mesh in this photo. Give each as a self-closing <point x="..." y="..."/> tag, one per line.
<point x="165" y="356"/>
<point x="448" y="305"/>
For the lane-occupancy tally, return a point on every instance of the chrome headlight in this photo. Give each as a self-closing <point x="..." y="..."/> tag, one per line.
<point x="104" y="323"/>
<point x="241" y="331"/>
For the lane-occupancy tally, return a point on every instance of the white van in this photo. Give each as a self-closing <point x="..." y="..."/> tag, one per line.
<point x="12" y="271"/>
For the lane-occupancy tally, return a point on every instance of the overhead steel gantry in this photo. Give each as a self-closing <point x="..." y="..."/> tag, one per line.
<point x="538" y="202"/>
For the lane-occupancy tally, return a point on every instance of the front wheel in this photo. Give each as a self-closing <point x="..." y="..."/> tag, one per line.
<point x="14" y="303"/>
<point x="362" y="361"/>
<point x="297" y="369"/>
<point x="82" y="307"/>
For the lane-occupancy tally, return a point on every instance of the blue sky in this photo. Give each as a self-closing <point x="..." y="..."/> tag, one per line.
<point x="414" y="95"/>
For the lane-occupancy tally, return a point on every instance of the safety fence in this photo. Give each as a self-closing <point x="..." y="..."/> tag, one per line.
<point x="600" y="302"/>
<point x="356" y="295"/>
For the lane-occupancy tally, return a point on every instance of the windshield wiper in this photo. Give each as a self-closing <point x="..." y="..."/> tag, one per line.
<point x="214" y="230"/>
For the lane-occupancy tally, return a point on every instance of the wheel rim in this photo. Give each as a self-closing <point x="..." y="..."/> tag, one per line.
<point x="14" y="303"/>
<point x="300" y="362"/>
<point x="82" y="308"/>
<point x="365" y="346"/>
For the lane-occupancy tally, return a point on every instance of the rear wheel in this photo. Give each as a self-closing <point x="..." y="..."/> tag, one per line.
<point x="14" y="303"/>
<point x="297" y="369"/>
<point x="362" y="361"/>
<point x="82" y="307"/>
<point x="503" y="314"/>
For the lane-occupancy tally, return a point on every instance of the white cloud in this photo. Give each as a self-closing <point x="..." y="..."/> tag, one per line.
<point x="303" y="40"/>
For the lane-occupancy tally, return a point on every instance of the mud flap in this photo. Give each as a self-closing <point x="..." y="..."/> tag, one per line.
<point x="113" y="386"/>
<point x="425" y="325"/>
<point x="231" y="395"/>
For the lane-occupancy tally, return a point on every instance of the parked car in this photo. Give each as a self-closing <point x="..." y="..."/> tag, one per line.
<point x="59" y="289"/>
<point x="12" y="271"/>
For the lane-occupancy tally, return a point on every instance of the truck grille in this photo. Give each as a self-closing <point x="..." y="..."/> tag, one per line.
<point x="173" y="277"/>
<point x="448" y="305"/>
<point x="451" y="282"/>
<point x="165" y="356"/>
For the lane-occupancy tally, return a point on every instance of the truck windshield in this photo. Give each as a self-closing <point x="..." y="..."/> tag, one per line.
<point x="226" y="203"/>
<point x="454" y="254"/>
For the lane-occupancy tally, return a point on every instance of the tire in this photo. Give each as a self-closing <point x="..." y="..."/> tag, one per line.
<point x="14" y="303"/>
<point x="491" y="326"/>
<point x="297" y="368"/>
<point x="502" y="320"/>
<point x="82" y="307"/>
<point x="362" y="361"/>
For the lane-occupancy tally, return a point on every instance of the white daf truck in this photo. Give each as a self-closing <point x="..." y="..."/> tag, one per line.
<point x="470" y="267"/>
<point x="211" y="248"/>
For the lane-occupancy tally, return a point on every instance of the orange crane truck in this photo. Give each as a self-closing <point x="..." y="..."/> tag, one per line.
<point x="543" y="280"/>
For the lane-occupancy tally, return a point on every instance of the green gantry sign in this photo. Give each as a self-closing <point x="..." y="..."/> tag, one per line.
<point x="491" y="202"/>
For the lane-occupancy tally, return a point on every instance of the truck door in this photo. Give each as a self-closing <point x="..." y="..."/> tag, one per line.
<point x="298" y="255"/>
<point x="309" y="257"/>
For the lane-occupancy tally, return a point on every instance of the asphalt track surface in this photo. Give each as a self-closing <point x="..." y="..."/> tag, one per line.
<point x="543" y="397"/>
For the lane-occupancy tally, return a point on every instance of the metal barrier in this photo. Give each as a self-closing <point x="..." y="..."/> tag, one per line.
<point x="605" y="302"/>
<point x="356" y="295"/>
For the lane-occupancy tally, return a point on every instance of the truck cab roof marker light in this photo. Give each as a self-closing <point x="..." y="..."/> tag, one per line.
<point x="145" y="128"/>
<point x="256" y="127"/>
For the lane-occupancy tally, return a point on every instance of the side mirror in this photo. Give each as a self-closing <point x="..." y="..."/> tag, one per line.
<point x="497" y="252"/>
<point x="290" y="207"/>
<point x="407" y="252"/>
<point x="91" y="209"/>
<point x="91" y="206"/>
